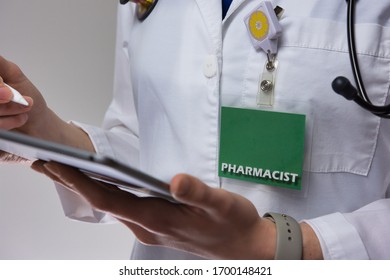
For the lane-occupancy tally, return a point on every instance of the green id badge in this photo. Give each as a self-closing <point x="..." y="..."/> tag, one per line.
<point x="263" y="147"/>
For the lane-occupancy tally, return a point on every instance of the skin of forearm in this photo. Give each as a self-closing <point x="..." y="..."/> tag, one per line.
<point x="51" y="127"/>
<point x="311" y="245"/>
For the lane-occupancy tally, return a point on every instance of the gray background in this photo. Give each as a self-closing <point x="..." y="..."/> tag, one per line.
<point x="66" y="48"/>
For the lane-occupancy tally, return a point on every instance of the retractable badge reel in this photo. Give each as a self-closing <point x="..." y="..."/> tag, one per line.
<point x="264" y="30"/>
<point x="144" y="7"/>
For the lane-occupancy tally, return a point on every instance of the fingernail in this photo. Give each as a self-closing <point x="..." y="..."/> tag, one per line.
<point x="29" y="100"/>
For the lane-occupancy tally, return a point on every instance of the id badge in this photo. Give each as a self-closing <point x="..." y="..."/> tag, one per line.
<point x="264" y="147"/>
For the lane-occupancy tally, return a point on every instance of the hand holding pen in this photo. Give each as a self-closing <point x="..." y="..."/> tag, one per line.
<point x="16" y="96"/>
<point x="24" y="109"/>
<point x="13" y="107"/>
<point x="22" y="106"/>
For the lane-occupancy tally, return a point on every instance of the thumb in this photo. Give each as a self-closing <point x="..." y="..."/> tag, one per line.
<point x="191" y="191"/>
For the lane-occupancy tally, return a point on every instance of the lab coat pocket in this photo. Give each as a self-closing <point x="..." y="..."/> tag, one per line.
<point x="312" y="54"/>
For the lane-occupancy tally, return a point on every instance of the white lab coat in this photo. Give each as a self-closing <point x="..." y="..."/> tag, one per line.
<point x="174" y="71"/>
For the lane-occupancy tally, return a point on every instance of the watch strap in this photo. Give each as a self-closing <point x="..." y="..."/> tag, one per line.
<point x="288" y="237"/>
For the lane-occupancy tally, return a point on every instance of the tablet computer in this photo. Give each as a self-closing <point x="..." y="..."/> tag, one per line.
<point x="95" y="166"/>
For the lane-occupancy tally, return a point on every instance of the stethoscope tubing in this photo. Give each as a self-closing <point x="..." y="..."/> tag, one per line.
<point x="362" y="98"/>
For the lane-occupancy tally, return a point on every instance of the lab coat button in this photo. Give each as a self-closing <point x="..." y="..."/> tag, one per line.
<point x="210" y="66"/>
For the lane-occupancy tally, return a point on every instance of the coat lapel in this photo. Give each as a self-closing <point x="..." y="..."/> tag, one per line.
<point x="211" y="11"/>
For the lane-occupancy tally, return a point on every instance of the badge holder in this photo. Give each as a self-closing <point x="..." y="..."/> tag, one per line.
<point x="144" y="7"/>
<point x="263" y="147"/>
<point x="266" y="146"/>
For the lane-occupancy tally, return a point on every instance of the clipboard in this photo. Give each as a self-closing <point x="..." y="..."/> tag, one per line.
<point x="97" y="167"/>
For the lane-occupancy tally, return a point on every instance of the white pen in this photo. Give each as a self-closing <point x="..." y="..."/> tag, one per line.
<point x="17" y="97"/>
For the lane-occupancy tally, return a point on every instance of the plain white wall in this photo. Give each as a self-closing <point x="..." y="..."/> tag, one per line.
<point x="66" y="48"/>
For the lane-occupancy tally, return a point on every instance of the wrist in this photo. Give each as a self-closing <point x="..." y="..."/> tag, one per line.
<point x="263" y="241"/>
<point x="52" y="128"/>
<point x="270" y="242"/>
<point x="311" y="248"/>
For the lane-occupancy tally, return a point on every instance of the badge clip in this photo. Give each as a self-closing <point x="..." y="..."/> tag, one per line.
<point x="266" y="91"/>
<point x="144" y="7"/>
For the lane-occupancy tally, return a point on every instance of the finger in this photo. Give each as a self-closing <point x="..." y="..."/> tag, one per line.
<point x="11" y="122"/>
<point x="97" y="194"/>
<point x="145" y="212"/>
<point x="5" y="93"/>
<point x="191" y="191"/>
<point x="81" y="182"/>
<point x="9" y="108"/>
<point x="10" y="71"/>
<point x="38" y="166"/>
<point x="142" y="234"/>
<point x="13" y="76"/>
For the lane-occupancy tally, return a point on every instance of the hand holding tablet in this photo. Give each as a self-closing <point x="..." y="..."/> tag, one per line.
<point x="98" y="167"/>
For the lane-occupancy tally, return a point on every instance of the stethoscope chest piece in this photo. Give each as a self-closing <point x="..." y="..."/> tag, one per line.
<point x="144" y="7"/>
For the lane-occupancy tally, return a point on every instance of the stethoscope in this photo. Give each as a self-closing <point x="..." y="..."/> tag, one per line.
<point x="340" y="85"/>
<point x="343" y="86"/>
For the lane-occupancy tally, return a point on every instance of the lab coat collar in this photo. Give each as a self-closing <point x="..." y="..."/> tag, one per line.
<point x="212" y="8"/>
<point x="211" y="11"/>
<point x="233" y="7"/>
